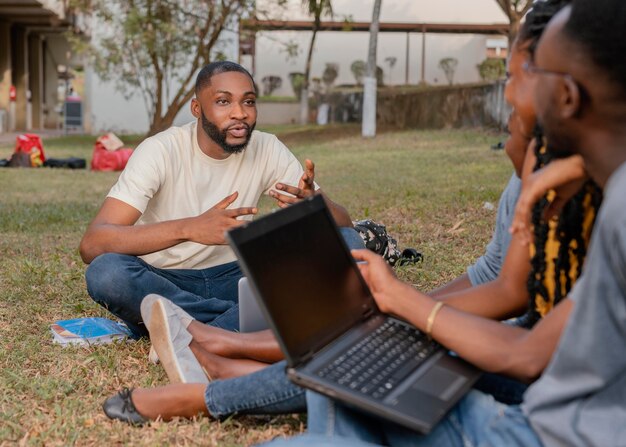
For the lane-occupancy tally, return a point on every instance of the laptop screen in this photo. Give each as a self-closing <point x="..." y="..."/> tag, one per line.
<point x="308" y="281"/>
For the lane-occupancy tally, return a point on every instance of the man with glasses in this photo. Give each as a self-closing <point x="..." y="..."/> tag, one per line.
<point x="578" y="349"/>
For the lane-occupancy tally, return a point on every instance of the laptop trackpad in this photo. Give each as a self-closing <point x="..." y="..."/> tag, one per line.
<point x="440" y="383"/>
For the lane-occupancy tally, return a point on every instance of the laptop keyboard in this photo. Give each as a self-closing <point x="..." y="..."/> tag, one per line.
<point x="380" y="361"/>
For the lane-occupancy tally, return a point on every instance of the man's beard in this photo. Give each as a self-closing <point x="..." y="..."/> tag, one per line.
<point x="219" y="135"/>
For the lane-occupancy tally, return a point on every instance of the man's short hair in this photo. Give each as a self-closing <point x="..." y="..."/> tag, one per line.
<point x="598" y="27"/>
<point x="203" y="79"/>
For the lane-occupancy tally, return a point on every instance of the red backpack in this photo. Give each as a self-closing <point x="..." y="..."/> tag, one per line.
<point x="30" y="143"/>
<point x="109" y="155"/>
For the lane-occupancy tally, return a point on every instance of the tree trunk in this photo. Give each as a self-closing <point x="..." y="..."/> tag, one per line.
<point x="304" y="99"/>
<point x="514" y="26"/>
<point x="304" y="105"/>
<point x="368" y="125"/>
<point x="161" y="123"/>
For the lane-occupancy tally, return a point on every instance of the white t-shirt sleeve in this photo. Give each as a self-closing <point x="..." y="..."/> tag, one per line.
<point x="284" y="167"/>
<point x="142" y="177"/>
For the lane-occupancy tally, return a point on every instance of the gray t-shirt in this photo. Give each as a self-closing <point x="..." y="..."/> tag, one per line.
<point x="488" y="265"/>
<point x="580" y="400"/>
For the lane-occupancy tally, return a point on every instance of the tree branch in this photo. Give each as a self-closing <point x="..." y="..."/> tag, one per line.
<point x="506" y="7"/>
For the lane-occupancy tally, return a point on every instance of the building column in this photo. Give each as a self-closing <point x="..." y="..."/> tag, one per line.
<point x="5" y="76"/>
<point x="36" y="79"/>
<point x="406" y="59"/>
<point x="19" y="56"/>
<point x="5" y="64"/>
<point x="423" y="77"/>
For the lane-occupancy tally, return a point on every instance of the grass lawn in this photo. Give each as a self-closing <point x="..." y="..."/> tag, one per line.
<point x="428" y="187"/>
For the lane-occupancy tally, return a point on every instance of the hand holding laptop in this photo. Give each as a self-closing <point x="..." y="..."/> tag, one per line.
<point x="386" y="288"/>
<point x="335" y="339"/>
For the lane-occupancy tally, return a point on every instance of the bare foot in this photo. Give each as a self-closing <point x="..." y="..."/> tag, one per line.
<point x="261" y="346"/>
<point x="215" y="340"/>
<point x="217" y="367"/>
<point x="170" y="401"/>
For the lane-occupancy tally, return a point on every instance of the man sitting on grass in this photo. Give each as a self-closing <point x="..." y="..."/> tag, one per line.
<point x="161" y="228"/>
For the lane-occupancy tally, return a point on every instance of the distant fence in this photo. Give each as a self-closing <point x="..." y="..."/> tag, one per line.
<point x="270" y="113"/>
<point x="429" y="108"/>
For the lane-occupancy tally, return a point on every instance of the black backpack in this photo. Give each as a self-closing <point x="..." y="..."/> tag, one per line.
<point x="69" y="163"/>
<point x="377" y="239"/>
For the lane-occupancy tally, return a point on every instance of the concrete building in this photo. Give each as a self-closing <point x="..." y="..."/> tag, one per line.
<point x="406" y="48"/>
<point x="32" y="48"/>
<point x="35" y="56"/>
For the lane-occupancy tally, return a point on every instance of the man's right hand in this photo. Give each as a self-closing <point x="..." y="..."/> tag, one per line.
<point x="210" y="227"/>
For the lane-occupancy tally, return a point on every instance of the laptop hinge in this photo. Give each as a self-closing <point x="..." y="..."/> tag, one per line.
<point x="305" y="358"/>
<point x="368" y="313"/>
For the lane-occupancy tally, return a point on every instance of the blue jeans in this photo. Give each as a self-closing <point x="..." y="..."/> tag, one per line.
<point x="120" y="282"/>
<point x="477" y="420"/>
<point x="503" y="389"/>
<point x="267" y="391"/>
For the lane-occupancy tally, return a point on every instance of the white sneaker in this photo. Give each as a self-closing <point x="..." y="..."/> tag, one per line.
<point x="148" y="301"/>
<point x="171" y="339"/>
<point x="153" y="357"/>
<point x="186" y="319"/>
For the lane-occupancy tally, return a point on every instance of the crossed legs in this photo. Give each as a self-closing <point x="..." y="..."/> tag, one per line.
<point x="223" y="355"/>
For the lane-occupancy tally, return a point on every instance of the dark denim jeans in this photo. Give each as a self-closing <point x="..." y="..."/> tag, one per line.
<point x="503" y="389"/>
<point x="267" y="391"/>
<point x="120" y="282"/>
<point x="477" y="420"/>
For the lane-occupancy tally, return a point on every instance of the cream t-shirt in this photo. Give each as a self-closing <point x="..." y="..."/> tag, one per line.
<point x="168" y="177"/>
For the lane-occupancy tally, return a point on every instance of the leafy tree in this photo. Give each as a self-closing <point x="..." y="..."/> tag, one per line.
<point x="317" y="9"/>
<point x="331" y="72"/>
<point x="491" y="69"/>
<point x="448" y="65"/>
<point x="358" y="71"/>
<point x="271" y="83"/>
<point x="155" y="47"/>
<point x="515" y="10"/>
<point x="297" y="82"/>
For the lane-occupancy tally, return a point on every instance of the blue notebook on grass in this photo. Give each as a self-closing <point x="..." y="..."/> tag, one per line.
<point x="89" y="331"/>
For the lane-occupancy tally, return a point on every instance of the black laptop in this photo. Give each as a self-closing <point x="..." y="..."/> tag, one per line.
<point x="335" y="339"/>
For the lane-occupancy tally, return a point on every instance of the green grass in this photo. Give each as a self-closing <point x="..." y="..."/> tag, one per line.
<point x="273" y="98"/>
<point x="427" y="187"/>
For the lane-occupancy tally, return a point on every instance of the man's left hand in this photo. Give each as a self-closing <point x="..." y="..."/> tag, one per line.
<point x="305" y="188"/>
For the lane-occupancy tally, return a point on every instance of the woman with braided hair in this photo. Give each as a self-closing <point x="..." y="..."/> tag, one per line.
<point x="533" y="279"/>
<point x="560" y="243"/>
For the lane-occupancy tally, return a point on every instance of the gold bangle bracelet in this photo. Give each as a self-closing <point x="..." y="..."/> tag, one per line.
<point x="431" y="318"/>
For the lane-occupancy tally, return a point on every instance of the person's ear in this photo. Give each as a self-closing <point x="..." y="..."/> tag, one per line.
<point x="196" y="110"/>
<point x="570" y="98"/>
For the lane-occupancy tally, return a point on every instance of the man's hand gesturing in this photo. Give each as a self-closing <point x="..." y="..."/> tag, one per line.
<point x="305" y="188"/>
<point x="210" y="227"/>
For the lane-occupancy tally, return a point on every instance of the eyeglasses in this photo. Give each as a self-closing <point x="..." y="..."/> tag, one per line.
<point x="531" y="68"/>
